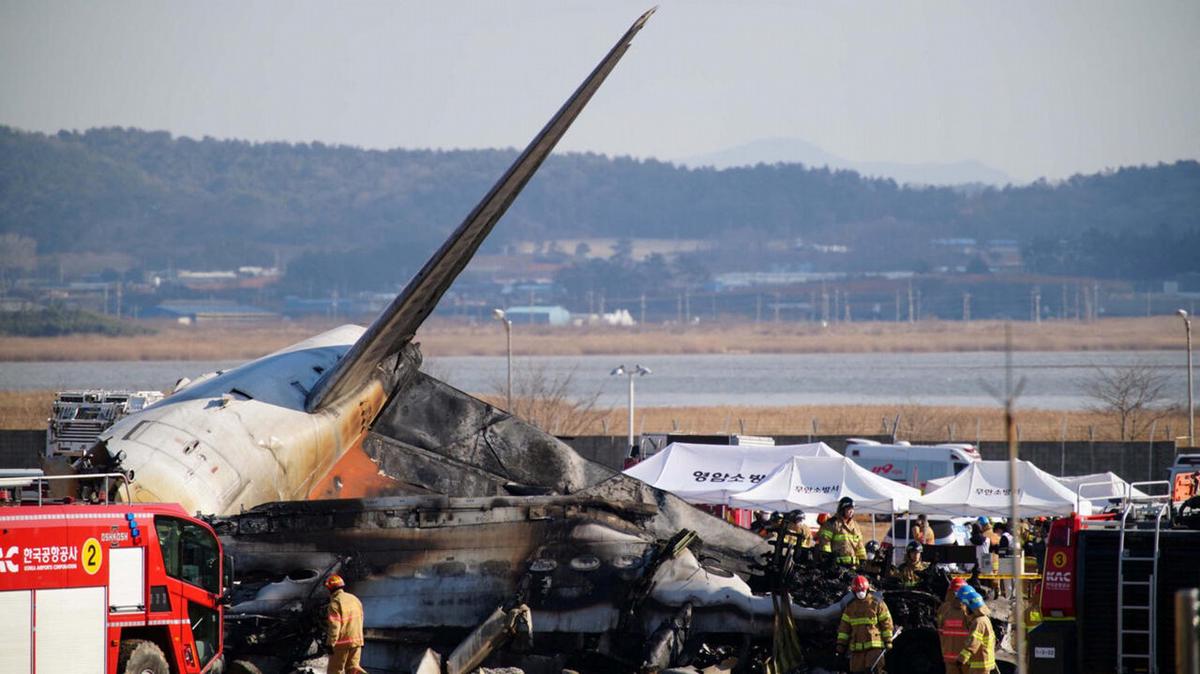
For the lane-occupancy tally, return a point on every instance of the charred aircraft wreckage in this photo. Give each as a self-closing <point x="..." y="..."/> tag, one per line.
<point x="462" y="528"/>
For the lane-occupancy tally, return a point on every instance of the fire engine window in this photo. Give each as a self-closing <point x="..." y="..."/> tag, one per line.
<point x="204" y="631"/>
<point x="189" y="553"/>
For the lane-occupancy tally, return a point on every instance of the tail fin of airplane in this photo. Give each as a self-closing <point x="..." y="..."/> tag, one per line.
<point x="399" y="322"/>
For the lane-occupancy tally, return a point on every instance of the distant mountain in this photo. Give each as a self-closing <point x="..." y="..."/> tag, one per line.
<point x="796" y="151"/>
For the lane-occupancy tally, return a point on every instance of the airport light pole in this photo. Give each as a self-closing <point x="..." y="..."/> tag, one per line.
<point x="499" y="315"/>
<point x="1187" y="326"/>
<point x="636" y="370"/>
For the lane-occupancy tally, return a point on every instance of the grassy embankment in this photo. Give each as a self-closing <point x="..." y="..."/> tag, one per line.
<point x="29" y="410"/>
<point x="439" y="338"/>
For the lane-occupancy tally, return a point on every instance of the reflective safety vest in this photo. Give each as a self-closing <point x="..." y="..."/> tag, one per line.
<point x="980" y="652"/>
<point x="952" y="629"/>
<point x="801" y="536"/>
<point x="843" y="540"/>
<point x="345" y="620"/>
<point x="909" y="574"/>
<point x="866" y="624"/>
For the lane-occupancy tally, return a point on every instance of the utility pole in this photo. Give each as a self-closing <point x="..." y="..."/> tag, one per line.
<point x="1036" y="304"/>
<point x="846" y="304"/>
<point x="911" y="318"/>
<point x="500" y="315"/>
<point x="966" y="307"/>
<point x="642" y="316"/>
<point x="1187" y="326"/>
<point x="897" y="306"/>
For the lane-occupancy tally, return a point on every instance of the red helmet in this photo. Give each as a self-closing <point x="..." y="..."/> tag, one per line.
<point x="334" y="582"/>
<point x="860" y="584"/>
<point x="822" y="517"/>
<point x="957" y="583"/>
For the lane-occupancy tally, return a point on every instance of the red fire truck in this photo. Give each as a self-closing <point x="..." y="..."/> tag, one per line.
<point x="106" y="588"/>
<point x="1108" y="588"/>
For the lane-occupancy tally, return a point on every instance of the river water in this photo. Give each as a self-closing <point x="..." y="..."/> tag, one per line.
<point x="1053" y="380"/>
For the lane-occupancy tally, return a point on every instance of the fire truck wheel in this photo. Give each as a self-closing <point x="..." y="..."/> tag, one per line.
<point x="139" y="656"/>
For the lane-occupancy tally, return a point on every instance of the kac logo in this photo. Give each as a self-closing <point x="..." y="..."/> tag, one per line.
<point x="8" y="561"/>
<point x="1055" y="577"/>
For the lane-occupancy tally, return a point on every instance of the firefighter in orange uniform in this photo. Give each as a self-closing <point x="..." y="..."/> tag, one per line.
<point x="979" y="653"/>
<point x="865" y="630"/>
<point x="922" y="532"/>
<point x="952" y="627"/>
<point x="345" y="628"/>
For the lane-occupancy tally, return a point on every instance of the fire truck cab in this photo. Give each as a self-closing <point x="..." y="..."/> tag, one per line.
<point x="106" y="588"/>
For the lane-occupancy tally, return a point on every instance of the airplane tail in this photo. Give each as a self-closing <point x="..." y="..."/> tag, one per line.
<point x="398" y="323"/>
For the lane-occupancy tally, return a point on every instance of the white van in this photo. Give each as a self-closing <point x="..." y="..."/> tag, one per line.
<point x="913" y="465"/>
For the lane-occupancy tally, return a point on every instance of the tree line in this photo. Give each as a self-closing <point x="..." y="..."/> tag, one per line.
<point x="350" y="217"/>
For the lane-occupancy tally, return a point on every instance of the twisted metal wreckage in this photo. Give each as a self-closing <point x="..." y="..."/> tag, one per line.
<point x="459" y="526"/>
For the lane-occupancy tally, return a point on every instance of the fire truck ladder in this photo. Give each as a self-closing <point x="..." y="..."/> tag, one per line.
<point x="1137" y="573"/>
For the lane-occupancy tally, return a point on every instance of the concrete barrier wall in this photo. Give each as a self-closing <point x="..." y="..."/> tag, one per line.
<point x="1134" y="461"/>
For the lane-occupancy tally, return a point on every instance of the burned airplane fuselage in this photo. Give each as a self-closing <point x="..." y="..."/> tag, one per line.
<point x="431" y="569"/>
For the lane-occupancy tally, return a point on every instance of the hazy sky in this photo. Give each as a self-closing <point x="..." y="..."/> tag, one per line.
<point x="1032" y="88"/>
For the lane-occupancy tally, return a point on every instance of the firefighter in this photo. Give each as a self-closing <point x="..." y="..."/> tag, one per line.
<point x="865" y="630"/>
<point x="345" y="628"/>
<point x="841" y="538"/>
<point x="952" y="627"/>
<point x="798" y="533"/>
<point x="922" y="532"/>
<point x="761" y="524"/>
<point x="910" y="571"/>
<point x="979" y="653"/>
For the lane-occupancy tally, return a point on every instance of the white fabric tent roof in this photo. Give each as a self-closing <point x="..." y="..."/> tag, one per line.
<point x="817" y="483"/>
<point x="711" y="473"/>
<point x="937" y="483"/>
<point x="982" y="489"/>
<point x="1100" y="486"/>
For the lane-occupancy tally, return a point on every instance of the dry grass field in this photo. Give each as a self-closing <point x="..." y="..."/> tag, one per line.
<point x="30" y="409"/>
<point x="442" y="338"/>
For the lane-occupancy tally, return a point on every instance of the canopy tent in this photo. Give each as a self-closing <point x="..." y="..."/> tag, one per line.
<point x="712" y="473"/>
<point x="937" y="483"/>
<point x="817" y="483"/>
<point x="983" y="489"/>
<point x="1099" y="487"/>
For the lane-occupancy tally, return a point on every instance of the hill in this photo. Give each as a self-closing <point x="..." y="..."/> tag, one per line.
<point x="220" y="203"/>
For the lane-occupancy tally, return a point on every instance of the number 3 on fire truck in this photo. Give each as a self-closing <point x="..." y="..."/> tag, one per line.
<point x="93" y="556"/>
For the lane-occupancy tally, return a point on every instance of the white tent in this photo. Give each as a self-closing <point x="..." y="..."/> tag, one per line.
<point x="983" y="489"/>
<point x="711" y="473"/>
<point x="1099" y="487"/>
<point x="937" y="483"/>
<point x="817" y="483"/>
